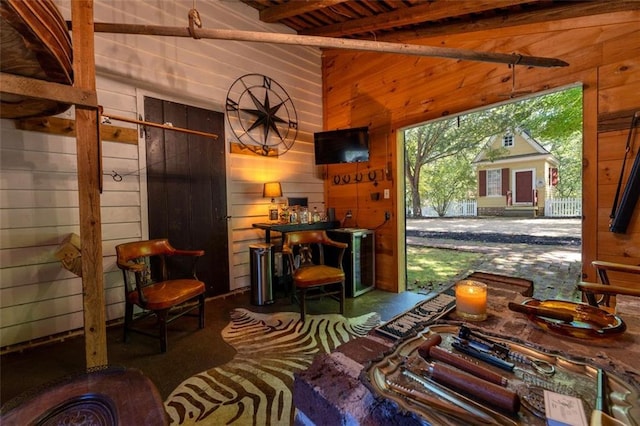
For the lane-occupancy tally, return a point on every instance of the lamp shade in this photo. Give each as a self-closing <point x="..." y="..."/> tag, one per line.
<point x="272" y="190"/>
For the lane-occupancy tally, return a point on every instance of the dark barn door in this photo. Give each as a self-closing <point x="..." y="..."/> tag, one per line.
<point x="186" y="185"/>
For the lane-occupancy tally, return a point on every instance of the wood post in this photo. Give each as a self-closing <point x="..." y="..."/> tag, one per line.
<point x="89" y="186"/>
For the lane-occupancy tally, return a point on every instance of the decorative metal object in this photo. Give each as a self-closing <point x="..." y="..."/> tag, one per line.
<point x="261" y="114"/>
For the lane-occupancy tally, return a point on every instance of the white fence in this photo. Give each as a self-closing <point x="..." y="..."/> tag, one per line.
<point x="455" y="209"/>
<point x="563" y="207"/>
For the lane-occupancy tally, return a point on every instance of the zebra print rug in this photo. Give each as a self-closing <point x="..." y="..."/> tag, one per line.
<point x="255" y="387"/>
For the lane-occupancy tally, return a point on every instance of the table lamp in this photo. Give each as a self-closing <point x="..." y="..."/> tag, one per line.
<point x="272" y="190"/>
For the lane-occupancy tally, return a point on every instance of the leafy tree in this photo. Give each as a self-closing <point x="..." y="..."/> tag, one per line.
<point x="448" y="180"/>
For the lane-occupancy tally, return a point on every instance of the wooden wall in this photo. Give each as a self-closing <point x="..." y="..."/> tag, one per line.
<point x="38" y="182"/>
<point x="389" y="92"/>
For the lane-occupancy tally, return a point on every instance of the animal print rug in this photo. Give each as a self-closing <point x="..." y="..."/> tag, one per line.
<point x="255" y="387"/>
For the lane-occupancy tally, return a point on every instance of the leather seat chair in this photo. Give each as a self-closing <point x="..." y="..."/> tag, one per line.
<point x="157" y="288"/>
<point x="306" y="252"/>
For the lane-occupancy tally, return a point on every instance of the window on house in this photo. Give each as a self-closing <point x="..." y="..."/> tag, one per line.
<point x="494" y="182"/>
<point x="507" y="141"/>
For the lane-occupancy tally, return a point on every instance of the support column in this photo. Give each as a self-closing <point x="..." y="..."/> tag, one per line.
<point x="89" y="186"/>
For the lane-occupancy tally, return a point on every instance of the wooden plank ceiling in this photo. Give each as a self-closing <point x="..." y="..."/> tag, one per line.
<point x="401" y="20"/>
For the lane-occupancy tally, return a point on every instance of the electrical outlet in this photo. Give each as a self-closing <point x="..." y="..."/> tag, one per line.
<point x="386" y="194"/>
<point x="387" y="215"/>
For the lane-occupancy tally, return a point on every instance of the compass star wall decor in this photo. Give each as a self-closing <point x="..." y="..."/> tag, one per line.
<point x="261" y="115"/>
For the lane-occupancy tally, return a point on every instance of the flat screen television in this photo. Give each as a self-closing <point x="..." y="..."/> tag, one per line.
<point x="342" y="146"/>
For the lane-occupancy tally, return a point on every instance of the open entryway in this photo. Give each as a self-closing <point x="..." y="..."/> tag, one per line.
<point x="186" y="186"/>
<point x="497" y="190"/>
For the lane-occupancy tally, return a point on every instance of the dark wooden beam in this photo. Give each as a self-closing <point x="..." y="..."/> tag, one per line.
<point x="287" y="10"/>
<point x="560" y="11"/>
<point x="426" y="12"/>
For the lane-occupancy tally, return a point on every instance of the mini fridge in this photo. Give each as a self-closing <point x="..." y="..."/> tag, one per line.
<point x="359" y="259"/>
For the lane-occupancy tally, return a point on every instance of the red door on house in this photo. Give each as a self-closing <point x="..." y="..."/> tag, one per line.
<point x="524" y="187"/>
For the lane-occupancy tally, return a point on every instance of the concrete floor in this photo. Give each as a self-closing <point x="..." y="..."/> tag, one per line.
<point x="190" y="350"/>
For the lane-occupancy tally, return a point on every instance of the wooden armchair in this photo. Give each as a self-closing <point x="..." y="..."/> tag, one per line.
<point x="312" y="278"/>
<point x="599" y="294"/>
<point x="150" y="285"/>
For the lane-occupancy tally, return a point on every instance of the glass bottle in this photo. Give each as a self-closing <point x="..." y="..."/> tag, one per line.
<point x="273" y="211"/>
<point x="304" y="215"/>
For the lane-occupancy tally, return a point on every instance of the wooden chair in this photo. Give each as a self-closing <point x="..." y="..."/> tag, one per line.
<point x="312" y="278"/>
<point x="157" y="288"/>
<point x="102" y="397"/>
<point x="599" y="294"/>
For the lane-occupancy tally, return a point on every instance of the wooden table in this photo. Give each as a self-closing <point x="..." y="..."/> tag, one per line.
<point x="331" y="390"/>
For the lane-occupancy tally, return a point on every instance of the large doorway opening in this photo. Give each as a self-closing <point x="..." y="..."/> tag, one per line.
<point x="497" y="190"/>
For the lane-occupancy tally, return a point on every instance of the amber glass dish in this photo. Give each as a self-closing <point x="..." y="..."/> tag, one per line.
<point x="588" y="322"/>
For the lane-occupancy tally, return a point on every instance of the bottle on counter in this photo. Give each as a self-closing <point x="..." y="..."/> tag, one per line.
<point x="304" y="215"/>
<point x="316" y="215"/>
<point x="273" y="211"/>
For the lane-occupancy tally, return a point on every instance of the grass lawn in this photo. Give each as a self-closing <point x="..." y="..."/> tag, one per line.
<point x="429" y="267"/>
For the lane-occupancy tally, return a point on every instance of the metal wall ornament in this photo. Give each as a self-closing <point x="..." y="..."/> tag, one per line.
<point x="261" y="115"/>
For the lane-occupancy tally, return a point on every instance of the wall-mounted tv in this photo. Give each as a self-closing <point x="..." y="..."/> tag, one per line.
<point x="342" y="146"/>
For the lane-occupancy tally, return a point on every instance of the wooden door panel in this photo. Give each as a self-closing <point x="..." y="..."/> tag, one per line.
<point x="524" y="187"/>
<point x="187" y="186"/>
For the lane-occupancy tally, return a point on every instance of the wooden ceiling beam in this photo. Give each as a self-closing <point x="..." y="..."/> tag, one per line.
<point x="288" y="10"/>
<point x="564" y="10"/>
<point x="430" y="11"/>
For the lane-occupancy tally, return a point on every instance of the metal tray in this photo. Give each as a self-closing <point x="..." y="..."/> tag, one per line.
<point x="571" y="377"/>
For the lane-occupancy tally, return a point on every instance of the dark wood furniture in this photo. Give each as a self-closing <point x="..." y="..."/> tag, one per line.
<point x="312" y="278"/>
<point x="164" y="288"/>
<point x="102" y="397"/>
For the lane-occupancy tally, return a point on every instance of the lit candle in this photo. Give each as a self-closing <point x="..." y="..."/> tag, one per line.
<point x="471" y="300"/>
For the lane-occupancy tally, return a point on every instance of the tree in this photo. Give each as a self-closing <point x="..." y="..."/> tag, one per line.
<point x="448" y="180"/>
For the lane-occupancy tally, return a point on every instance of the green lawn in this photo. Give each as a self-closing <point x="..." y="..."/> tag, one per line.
<point x="431" y="267"/>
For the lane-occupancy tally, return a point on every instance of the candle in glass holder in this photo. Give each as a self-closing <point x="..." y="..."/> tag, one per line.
<point x="471" y="300"/>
